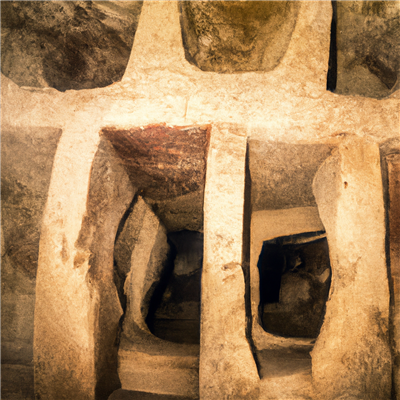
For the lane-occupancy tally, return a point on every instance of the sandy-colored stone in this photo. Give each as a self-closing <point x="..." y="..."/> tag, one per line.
<point x="24" y="193"/>
<point x="237" y="36"/>
<point x="227" y="365"/>
<point x="393" y="162"/>
<point x="152" y="365"/>
<point x="77" y="307"/>
<point x="351" y="358"/>
<point x="67" y="45"/>
<point x="289" y="104"/>
<point x="148" y="259"/>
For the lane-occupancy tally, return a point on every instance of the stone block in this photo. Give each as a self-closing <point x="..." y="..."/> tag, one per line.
<point x="351" y="357"/>
<point x="227" y="365"/>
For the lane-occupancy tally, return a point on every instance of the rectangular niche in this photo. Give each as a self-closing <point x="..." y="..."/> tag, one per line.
<point x="158" y="257"/>
<point x="289" y="263"/>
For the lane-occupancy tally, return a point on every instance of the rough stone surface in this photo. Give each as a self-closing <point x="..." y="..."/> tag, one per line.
<point x="182" y="212"/>
<point x="67" y="44"/>
<point x="147" y="363"/>
<point x="163" y="162"/>
<point x="17" y="382"/>
<point x="227" y="365"/>
<point x="368" y="48"/>
<point x="24" y="192"/>
<point x="289" y="104"/>
<point x="148" y="260"/>
<point x="128" y="235"/>
<point x="152" y="365"/>
<point x="351" y="357"/>
<point x="393" y="162"/>
<point x="285" y="374"/>
<point x="237" y="36"/>
<point x="77" y="308"/>
<point x="282" y="174"/>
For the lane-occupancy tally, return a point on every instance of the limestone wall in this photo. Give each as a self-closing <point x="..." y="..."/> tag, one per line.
<point x="281" y="107"/>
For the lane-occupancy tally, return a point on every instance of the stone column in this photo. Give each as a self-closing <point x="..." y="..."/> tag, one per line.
<point x="393" y="163"/>
<point x="77" y="308"/>
<point x="351" y="358"/>
<point x="227" y="366"/>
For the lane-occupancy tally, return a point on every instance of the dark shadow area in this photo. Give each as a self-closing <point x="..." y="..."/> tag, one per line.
<point x="332" y="66"/>
<point x="134" y="395"/>
<point x="174" y="312"/>
<point x="294" y="284"/>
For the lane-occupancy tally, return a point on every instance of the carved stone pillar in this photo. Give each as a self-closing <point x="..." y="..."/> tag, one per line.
<point x="227" y="366"/>
<point x="351" y="358"/>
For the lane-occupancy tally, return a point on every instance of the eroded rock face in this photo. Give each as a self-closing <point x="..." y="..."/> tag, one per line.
<point x="142" y="252"/>
<point x="282" y="174"/>
<point x="168" y="165"/>
<point x="67" y="44"/>
<point x="351" y="357"/>
<point x="237" y="36"/>
<point x="77" y="315"/>
<point x="24" y="192"/>
<point x="368" y="47"/>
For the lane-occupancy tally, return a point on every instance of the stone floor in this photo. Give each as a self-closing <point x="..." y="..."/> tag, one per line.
<point x="285" y="374"/>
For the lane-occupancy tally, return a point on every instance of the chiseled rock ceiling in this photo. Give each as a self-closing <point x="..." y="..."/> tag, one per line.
<point x="85" y="44"/>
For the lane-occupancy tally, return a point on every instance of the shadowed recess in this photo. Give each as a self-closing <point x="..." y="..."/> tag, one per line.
<point x="294" y="284"/>
<point x="237" y="36"/>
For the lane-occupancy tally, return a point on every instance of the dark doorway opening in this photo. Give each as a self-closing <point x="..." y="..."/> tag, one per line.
<point x="294" y="284"/>
<point x="174" y="312"/>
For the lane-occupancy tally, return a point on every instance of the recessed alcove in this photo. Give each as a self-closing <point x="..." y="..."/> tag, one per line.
<point x="237" y="36"/>
<point x="294" y="284"/>
<point x="158" y="257"/>
<point x="174" y="312"/>
<point x="289" y="263"/>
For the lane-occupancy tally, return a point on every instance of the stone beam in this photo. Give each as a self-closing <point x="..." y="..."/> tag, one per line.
<point x="351" y="358"/>
<point x="157" y="90"/>
<point x="227" y="366"/>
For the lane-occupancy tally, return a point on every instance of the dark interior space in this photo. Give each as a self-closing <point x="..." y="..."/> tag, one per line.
<point x="174" y="312"/>
<point x="332" y="66"/>
<point x="294" y="284"/>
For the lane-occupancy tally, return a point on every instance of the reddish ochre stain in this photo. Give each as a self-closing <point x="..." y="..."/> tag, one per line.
<point x="162" y="161"/>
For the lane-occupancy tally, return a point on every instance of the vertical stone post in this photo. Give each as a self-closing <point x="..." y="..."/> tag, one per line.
<point x="393" y="163"/>
<point x="227" y="366"/>
<point x="351" y="358"/>
<point x="77" y="308"/>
